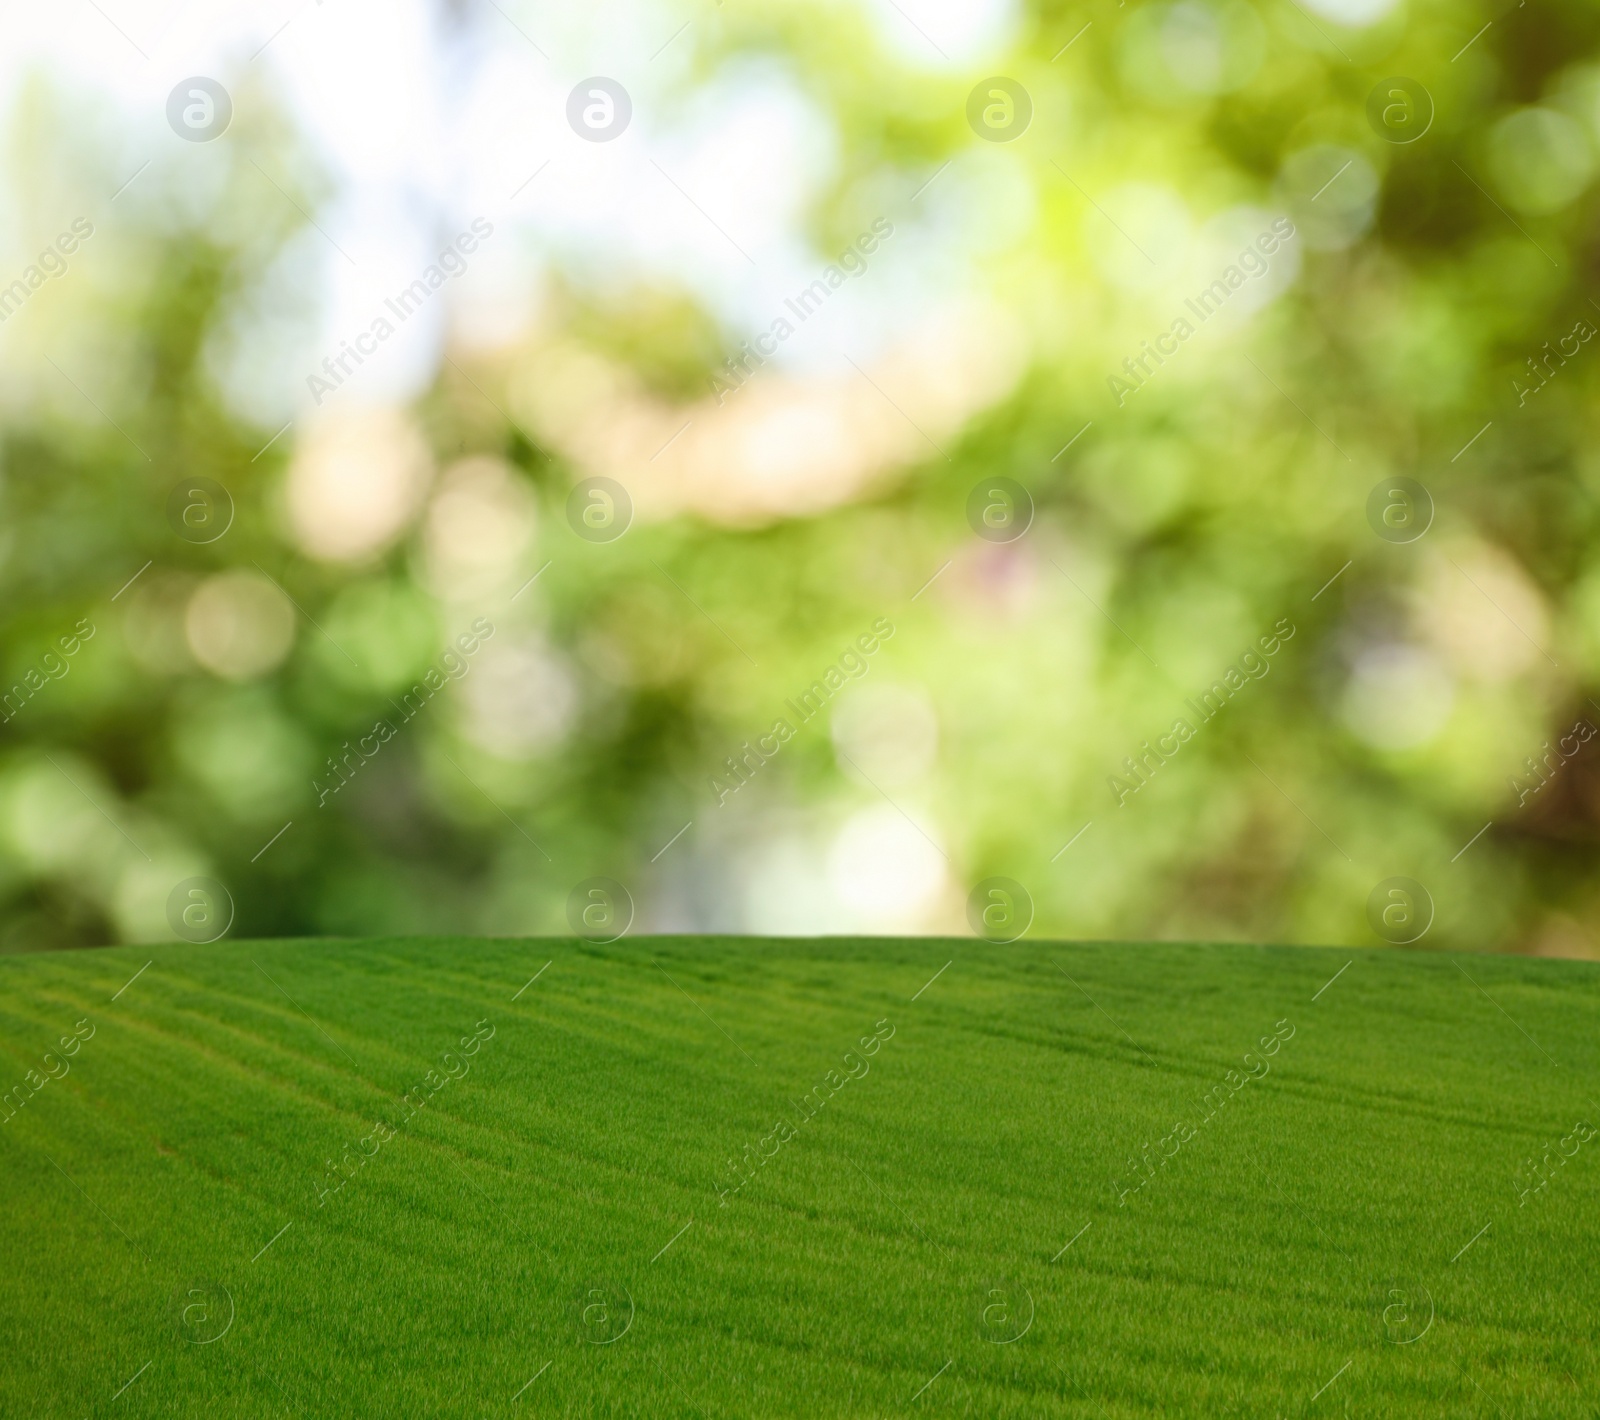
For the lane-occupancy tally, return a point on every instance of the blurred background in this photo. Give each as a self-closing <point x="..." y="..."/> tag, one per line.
<point x="321" y="319"/>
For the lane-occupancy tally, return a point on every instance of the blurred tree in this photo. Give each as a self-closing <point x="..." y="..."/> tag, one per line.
<point x="1429" y="318"/>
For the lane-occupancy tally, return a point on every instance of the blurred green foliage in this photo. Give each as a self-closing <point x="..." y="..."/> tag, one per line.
<point x="1178" y="528"/>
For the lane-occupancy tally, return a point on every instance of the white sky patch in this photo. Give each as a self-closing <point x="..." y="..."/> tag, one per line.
<point x="1352" y="12"/>
<point x="709" y="195"/>
<point x="409" y="125"/>
<point x="260" y="353"/>
<point x="785" y="890"/>
<point x="944" y="34"/>
<point x="884" y="871"/>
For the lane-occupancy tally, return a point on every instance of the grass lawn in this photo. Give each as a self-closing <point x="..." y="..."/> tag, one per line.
<point x="716" y="1177"/>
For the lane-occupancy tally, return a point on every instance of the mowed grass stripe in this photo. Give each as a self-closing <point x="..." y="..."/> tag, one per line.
<point x="851" y="1276"/>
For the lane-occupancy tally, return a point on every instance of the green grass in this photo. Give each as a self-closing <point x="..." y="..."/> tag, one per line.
<point x="1272" y="1265"/>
